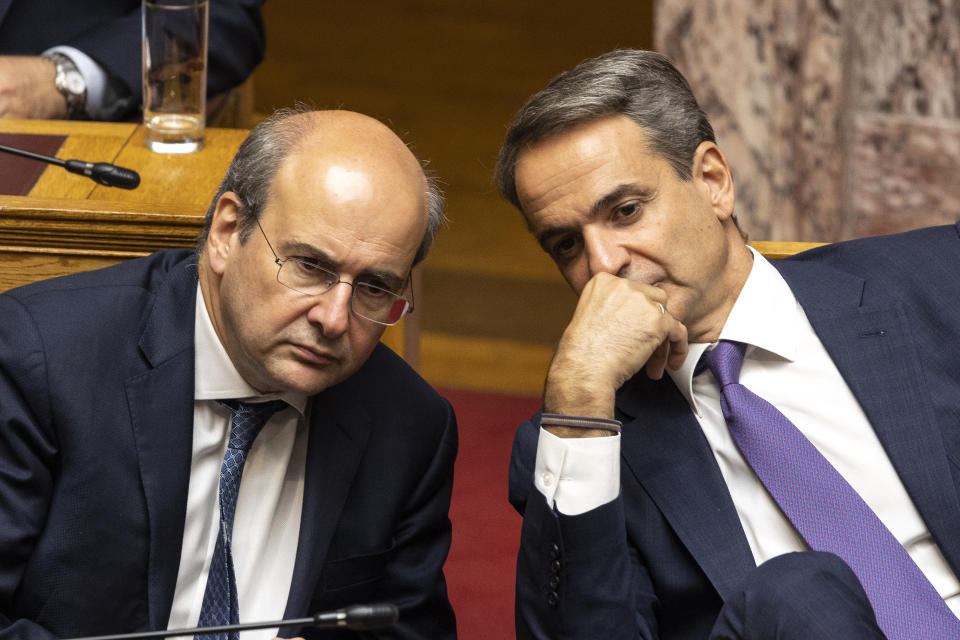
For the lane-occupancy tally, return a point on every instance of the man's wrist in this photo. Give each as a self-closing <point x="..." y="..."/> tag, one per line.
<point x="579" y="400"/>
<point x="70" y="83"/>
<point x="567" y="426"/>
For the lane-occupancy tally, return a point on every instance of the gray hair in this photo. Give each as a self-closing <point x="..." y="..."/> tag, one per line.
<point x="258" y="159"/>
<point x="642" y="85"/>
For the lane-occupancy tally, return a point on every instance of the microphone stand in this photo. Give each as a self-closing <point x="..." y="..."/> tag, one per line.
<point x="109" y="175"/>
<point x="361" y="617"/>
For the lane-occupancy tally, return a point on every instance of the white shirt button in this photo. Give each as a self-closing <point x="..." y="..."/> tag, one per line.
<point x="547" y="479"/>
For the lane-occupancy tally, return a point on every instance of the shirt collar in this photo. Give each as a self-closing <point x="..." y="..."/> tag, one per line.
<point x="215" y="377"/>
<point x="764" y="316"/>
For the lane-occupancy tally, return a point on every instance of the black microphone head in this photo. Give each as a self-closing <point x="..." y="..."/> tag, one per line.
<point x="371" y="616"/>
<point x="105" y="173"/>
<point x="114" y="176"/>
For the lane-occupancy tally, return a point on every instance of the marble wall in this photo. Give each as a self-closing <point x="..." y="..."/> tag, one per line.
<point x="840" y="118"/>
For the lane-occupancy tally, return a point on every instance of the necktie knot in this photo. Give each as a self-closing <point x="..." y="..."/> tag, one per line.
<point x="248" y="420"/>
<point x="724" y="361"/>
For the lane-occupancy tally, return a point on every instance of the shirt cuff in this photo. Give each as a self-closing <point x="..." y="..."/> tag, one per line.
<point x="577" y="475"/>
<point x="93" y="74"/>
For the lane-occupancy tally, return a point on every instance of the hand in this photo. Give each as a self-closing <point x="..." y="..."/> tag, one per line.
<point x="619" y="327"/>
<point x="28" y="89"/>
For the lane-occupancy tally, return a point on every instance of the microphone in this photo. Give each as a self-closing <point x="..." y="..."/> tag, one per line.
<point x="107" y="174"/>
<point x="360" y="617"/>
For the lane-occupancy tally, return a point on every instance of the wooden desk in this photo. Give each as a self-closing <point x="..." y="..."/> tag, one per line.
<point x="69" y="223"/>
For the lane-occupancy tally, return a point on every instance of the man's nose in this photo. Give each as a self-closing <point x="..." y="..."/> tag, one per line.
<point x="604" y="253"/>
<point x="331" y="310"/>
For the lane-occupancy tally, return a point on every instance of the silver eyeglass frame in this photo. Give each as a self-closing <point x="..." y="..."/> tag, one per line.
<point x="281" y="261"/>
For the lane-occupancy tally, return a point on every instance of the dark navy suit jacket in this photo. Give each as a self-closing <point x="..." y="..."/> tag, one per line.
<point x="109" y="32"/>
<point x="96" y="423"/>
<point x="661" y="559"/>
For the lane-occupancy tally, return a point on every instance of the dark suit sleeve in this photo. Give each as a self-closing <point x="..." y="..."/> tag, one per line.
<point x="28" y="449"/>
<point x="577" y="577"/>
<point x="236" y="45"/>
<point x="413" y="578"/>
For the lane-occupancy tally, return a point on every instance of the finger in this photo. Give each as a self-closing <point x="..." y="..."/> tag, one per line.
<point x="671" y="352"/>
<point x="679" y="347"/>
<point x="657" y="362"/>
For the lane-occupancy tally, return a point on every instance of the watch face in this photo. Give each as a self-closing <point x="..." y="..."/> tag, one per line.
<point x="73" y="82"/>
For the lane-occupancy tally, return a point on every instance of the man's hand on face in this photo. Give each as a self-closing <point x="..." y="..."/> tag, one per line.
<point x="28" y="89"/>
<point x="619" y="327"/>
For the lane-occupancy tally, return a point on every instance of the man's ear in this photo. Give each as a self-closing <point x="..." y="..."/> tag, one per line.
<point x="710" y="168"/>
<point x="224" y="235"/>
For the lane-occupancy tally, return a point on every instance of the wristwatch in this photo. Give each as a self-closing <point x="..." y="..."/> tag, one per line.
<point x="71" y="84"/>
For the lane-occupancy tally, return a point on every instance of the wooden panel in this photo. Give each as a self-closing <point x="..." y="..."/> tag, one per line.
<point x="18" y="268"/>
<point x="113" y="228"/>
<point x="506" y="366"/>
<point x="780" y="250"/>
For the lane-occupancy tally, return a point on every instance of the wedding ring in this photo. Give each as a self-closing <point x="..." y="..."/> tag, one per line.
<point x="663" y="311"/>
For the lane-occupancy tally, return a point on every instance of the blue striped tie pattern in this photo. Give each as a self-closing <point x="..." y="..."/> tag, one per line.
<point x="829" y="514"/>
<point x="220" y="606"/>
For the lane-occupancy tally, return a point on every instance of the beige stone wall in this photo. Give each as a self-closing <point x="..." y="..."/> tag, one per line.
<point x="841" y="118"/>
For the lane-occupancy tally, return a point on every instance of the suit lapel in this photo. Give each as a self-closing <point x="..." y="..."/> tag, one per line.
<point x="665" y="449"/>
<point x="4" y="7"/>
<point x="874" y="350"/>
<point x="339" y="430"/>
<point x="161" y="412"/>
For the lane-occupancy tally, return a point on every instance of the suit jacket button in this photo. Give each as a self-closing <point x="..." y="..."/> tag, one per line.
<point x="552" y="599"/>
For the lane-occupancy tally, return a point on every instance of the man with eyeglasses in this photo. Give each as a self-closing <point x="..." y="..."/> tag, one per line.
<point x="198" y="438"/>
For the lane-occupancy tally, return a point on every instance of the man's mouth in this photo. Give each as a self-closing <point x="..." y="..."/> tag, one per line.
<point x="313" y="355"/>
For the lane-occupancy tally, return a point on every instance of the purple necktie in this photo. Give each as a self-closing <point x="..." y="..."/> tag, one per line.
<point x="220" y="605"/>
<point x="828" y="512"/>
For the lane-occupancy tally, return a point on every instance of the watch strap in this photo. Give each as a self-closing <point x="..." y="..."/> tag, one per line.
<point x="70" y="83"/>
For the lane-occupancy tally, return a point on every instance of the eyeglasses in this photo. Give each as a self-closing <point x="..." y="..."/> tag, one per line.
<point x="369" y="300"/>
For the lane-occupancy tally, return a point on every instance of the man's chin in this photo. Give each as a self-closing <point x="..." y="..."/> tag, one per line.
<point x="310" y="379"/>
<point x="312" y="384"/>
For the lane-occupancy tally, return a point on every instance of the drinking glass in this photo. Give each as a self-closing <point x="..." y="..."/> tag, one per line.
<point x="175" y="74"/>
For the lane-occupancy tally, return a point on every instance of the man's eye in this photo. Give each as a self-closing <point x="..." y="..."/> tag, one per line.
<point x="373" y="289"/>
<point x="627" y="210"/>
<point x="308" y="266"/>
<point x="565" y="248"/>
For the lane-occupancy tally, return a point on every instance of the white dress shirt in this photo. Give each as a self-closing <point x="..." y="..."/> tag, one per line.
<point x="267" y="522"/>
<point x="787" y="365"/>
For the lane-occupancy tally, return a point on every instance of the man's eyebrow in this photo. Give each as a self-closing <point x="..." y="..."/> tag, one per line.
<point x="628" y="189"/>
<point x="621" y="191"/>
<point x="393" y="280"/>
<point x="306" y="250"/>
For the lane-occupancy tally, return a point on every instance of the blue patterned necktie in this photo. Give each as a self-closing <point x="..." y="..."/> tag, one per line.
<point x="220" y="606"/>
<point x="826" y="510"/>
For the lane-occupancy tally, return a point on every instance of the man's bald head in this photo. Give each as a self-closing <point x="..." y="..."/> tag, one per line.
<point x="345" y="135"/>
